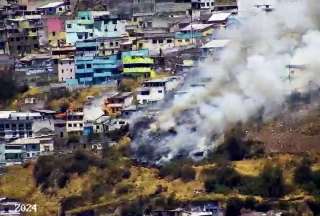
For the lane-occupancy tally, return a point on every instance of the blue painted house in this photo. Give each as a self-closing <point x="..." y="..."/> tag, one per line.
<point x="93" y="24"/>
<point x="92" y="70"/>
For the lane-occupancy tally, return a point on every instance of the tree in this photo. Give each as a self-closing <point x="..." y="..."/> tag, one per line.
<point x="303" y="172"/>
<point x="222" y="176"/>
<point x="234" y="206"/>
<point x="272" y="183"/>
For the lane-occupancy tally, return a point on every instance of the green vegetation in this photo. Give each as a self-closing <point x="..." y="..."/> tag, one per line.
<point x="178" y="169"/>
<point x="235" y="147"/>
<point x="223" y="179"/>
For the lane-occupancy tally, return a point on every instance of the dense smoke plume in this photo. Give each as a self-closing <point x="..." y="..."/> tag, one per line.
<point x="250" y="77"/>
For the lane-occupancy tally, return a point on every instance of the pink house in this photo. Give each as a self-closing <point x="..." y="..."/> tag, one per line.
<point x="55" y="30"/>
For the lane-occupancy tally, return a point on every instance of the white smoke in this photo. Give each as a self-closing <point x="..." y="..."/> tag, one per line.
<point x="251" y="75"/>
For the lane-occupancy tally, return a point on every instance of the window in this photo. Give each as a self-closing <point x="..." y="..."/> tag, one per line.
<point x="1" y="127"/>
<point x="101" y="44"/>
<point x="134" y="19"/>
<point x="91" y="34"/>
<point x="160" y="41"/>
<point x="212" y="3"/>
<point x="69" y="125"/>
<point x="60" y="9"/>
<point x="208" y="4"/>
<point x="159" y="91"/>
<point x="62" y="71"/>
<point x="97" y="127"/>
<point x="154" y="41"/>
<point x="74" y="125"/>
<point x="89" y="65"/>
<point x="17" y="39"/>
<point x="80" y="125"/>
<point x="53" y="34"/>
<point x="13" y="127"/>
<point x="69" y="26"/>
<point x="70" y="69"/>
<point x="117" y="43"/>
<point x="21" y="126"/>
<point x="80" y="37"/>
<point x="7" y="126"/>
<point x="169" y="41"/>
<point x="28" y="126"/>
<point x="114" y="21"/>
<point x="187" y="40"/>
<point x="30" y="134"/>
<point x="80" y="66"/>
<point x="115" y="29"/>
<point x="111" y="44"/>
<point x="21" y="134"/>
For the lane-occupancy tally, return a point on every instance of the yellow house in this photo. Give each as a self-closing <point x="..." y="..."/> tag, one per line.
<point x="193" y="34"/>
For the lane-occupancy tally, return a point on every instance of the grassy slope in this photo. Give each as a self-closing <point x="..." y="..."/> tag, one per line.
<point x="18" y="183"/>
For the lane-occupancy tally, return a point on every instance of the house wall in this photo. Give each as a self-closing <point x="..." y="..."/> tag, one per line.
<point x="155" y="44"/>
<point x="56" y="32"/>
<point x="85" y="27"/>
<point x="155" y="94"/>
<point x="66" y="69"/>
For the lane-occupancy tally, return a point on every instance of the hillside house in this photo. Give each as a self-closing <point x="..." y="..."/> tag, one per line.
<point x="52" y="8"/>
<point x="155" y="90"/>
<point x="202" y="4"/>
<point x="219" y="18"/>
<point x="157" y="44"/>
<point x="193" y="34"/>
<point x="116" y="103"/>
<point x="56" y="34"/>
<point x="66" y="69"/>
<point x="92" y="70"/>
<point x="24" y="34"/>
<point x="93" y="24"/>
<point x="15" y="125"/>
<point x="138" y="63"/>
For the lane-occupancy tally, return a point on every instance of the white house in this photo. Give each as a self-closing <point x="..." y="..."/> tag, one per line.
<point x="219" y="17"/>
<point x="15" y="125"/>
<point x="52" y="8"/>
<point x="203" y="4"/>
<point x="157" y="43"/>
<point x="66" y="69"/>
<point x="74" y="122"/>
<point x="155" y="90"/>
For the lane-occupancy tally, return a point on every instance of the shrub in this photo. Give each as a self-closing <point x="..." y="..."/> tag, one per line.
<point x="234" y="206"/>
<point x="303" y="173"/>
<point x="123" y="188"/>
<point x="187" y="173"/>
<point x="178" y="169"/>
<point x="272" y="183"/>
<point x="221" y="178"/>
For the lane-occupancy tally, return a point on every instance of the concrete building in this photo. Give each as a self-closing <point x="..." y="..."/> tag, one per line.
<point x="66" y="69"/>
<point x="193" y="34"/>
<point x="203" y="4"/>
<point x="94" y="24"/>
<point x="52" y="8"/>
<point x="74" y="122"/>
<point x="219" y="18"/>
<point x="156" y="90"/>
<point x="56" y="34"/>
<point x="157" y="44"/>
<point x="138" y="63"/>
<point x="24" y="34"/>
<point x="92" y="70"/>
<point x="15" y="125"/>
<point x="116" y="103"/>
